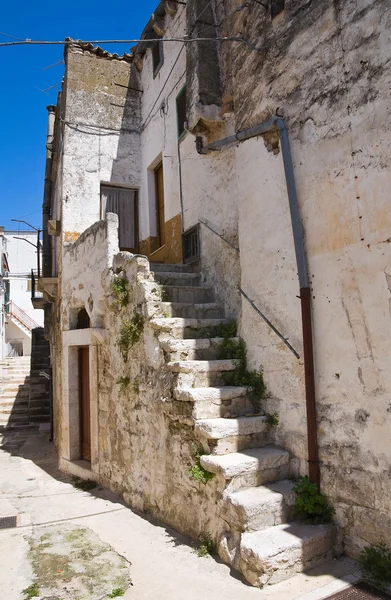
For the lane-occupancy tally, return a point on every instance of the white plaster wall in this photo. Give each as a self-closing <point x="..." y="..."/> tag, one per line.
<point x="101" y="141"/>
<point x="22" y="257"/>
<point x="159" y="135"/>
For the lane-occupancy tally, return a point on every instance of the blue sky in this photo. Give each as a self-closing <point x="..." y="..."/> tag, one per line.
<point x="23" y="74"/>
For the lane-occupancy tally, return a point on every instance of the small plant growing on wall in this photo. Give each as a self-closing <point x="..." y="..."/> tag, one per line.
<point x="375" y="561"/>
<point x="207" y="546"/>
<point x="272" y="419"/>
<point x="241" y="376"/>
<point x="120" y="292"/>
<point x="197" y="471"/>
<point x="312" y="506"/>
<point x="130" y="333"/>
<point x="123" y="382"/>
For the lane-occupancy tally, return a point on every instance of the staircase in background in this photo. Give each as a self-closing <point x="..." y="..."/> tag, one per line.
<point x="262" y="540"/>
<point x="20" y="318"/>
<point x="39" y="395"/>
<point x="14" y="393"/>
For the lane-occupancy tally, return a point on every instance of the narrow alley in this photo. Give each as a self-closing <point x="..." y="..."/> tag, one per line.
<point x="63" y="541"/>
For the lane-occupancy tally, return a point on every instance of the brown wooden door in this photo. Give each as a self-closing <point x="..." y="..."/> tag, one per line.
<point x="159" y="186"/>
<point x="84" y="390"/>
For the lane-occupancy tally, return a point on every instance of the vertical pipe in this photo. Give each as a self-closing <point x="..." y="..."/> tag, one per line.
<point x="305" y="299"/>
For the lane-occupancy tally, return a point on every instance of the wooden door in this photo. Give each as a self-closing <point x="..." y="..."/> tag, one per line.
<point x="159" y="187"/>
<point x="84" y="395"/>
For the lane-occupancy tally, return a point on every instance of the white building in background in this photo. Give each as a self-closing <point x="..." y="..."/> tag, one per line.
<point x="3" y="274"/>
<point x="19" y="313"/>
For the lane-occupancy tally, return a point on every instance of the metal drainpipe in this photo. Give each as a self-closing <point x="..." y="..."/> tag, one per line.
<point x="305" y="292"/>
<point x="47" y="191"/>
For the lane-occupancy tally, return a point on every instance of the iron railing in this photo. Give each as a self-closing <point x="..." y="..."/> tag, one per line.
<point x="13" y="310"/>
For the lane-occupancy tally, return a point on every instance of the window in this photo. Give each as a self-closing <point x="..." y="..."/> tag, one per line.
<point x="122" y="202"/>
<point x="181" y="111"/>
<point x="191" y="245"/>
<point x="157" y="57"/>
<point x="277" y="6"/>
<point x="159" y="195"/>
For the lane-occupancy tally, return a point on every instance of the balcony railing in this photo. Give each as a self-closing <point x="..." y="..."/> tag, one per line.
<point x="13" y="310"/>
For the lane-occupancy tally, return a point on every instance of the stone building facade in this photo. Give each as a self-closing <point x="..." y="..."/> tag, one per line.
<point x="134" y="135"/>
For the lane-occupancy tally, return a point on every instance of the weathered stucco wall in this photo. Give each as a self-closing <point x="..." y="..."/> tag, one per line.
<point x="101" y="135"/>
<point x="325" y="65"/>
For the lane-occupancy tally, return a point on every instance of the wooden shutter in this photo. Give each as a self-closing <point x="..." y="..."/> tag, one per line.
<point x="122" y="202"/>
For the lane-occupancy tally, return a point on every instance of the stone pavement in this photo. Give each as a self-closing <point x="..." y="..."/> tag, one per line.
<point x="79" y="545"/>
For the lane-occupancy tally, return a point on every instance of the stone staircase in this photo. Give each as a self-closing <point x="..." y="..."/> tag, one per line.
<point x="262" y="539"/>
<point x="14" y="392"/>
<point x="39" y="396"/>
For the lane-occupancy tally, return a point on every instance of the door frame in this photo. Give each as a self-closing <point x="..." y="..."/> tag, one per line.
<point x="69" y="428"/>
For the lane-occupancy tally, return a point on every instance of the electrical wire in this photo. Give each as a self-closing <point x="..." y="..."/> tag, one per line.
<point x="184" y="40"/>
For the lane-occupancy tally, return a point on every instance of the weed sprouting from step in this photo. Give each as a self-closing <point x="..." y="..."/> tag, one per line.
<point x="130" y="333"/>
<point x="241" y="376"/>
<point x="117" y="592"/>
<point x="124" y="383"/>
<point x="272" y="419"/>
<point x="197" y="471"/>
<point x="84" y="484"/>
<point x="136" y="386"/>
<point x="222" y="330"/>
<point x="375" y="561"/>
<point x="120" y="292"/>
<point x="312" y="506"/>
<point x="207" y="547"/>
<point x="32" y="591"/>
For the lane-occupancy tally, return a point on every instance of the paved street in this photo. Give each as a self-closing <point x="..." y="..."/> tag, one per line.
<point x="79" y="544"/>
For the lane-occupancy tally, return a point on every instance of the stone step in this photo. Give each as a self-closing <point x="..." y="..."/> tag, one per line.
<point x="40" y="418"/>
<point x="194" y="349"/>
<point x="249" y="468"/>
<point x="13" y="409"/>
<point x="277" y="553"/>
<point x="257" y="508"/>
<point x="190" y="294"/>
<point x="201" y="373"/>
<point x="163" y="267"/>
<point x="178" y="328"/>
<point x="224" y="436"/>
<point x="178" y="279"/>
<point x="215" y="402"/>
<point x="208" y="310"/>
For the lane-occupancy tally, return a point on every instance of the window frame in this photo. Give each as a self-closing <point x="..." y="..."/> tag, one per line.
<point x="156" y="66"/>
<point x="181" y="93"/>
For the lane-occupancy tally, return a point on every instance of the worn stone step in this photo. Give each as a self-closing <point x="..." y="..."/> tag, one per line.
<point x="176" y="327"/>
<point x="164" y="267"/>
<point x="201" y="373"/>
<point x="257" y="508"/>
<point x="214" y="402"/>
<point x="249" y="468"/>
<point x="223" y="436"/>
<point x="178" y="279"/>
<point x="208" y="310"/>
<point x="277" y="553"/>
<point x="193" y="294"/>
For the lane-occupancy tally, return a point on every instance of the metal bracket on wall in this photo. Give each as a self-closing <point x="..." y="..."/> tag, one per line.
<point x="270" y="324"/>
<point x="220" y="236"/>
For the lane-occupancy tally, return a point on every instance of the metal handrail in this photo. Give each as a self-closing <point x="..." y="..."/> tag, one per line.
<point x="20" y="315"/>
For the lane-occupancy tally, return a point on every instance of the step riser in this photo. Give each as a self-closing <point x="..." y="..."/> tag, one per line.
<point x="193" y="296"/>
<point x="193" y="311"/>
<point x="254" y="479"/>
<point x="267" y="515"/>
<point x="237" y="443"/>
<point x="182" y="279"/>
<point x="237" y="407"/>
<point x="192" y="380"/>
<point x="161" y="268"/>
